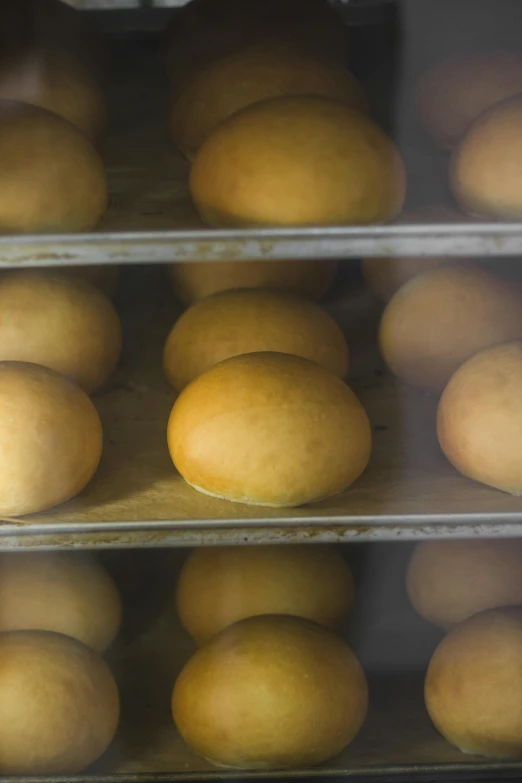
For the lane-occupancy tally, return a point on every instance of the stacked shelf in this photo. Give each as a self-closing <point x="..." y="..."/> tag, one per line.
<point x="137" y="500"/>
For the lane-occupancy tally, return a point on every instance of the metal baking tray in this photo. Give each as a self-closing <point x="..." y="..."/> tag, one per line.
<point x="151" y="217"/>
<point x="397" y="741"/>
<point x="409" y="490"/>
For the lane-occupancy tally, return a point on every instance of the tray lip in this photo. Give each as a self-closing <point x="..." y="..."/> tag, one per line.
<point x="209" y="244"/>
<point x="465" y="519"/>
<point x="360" y="771"/>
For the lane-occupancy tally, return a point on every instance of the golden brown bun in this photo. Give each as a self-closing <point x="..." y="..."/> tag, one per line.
<point x="59" y="704"/>
<point x="218" y="586"/>
<point x="65" y="324"/>
<point x="298" y="161"/>
<point x="486" y="168"/>
<point x="479" y="419"/>
<point x="58" y="83"/>
<point x="270" y="69"/>
<point x="191" y="282"/>
<point x="473" y="687"/>
<point x="53" y="178"/>
<point x="269" y="429"/>
<point x="256" y="695"/>
<point x="56" y="26"/>
<point x="251" y="321"/>
<point x="456" y="91"/>
<point x="51" y="439"/>
<point x="205" y="30"/>
<point x="62" y="592"/>
<point x="449" y="581"/>
<point x="102" y="276"/>
<point x="386" y="275"/>
<point x="438" y="320"/>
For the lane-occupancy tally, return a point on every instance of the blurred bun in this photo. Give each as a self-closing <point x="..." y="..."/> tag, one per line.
<point x="487" y="166"/>
<point x="473" y="687"/>
<point x="55" y="26"/>
<point x="270" y="69"/>
<point x="59" y="705"/>
<point x="53" y="178"/>
<point x="449" y="581"/>
<point x="62" y="592"/>
<point x="220" y="585"/>
<point x="102" y="276"/>
<point x="191" y="282"/>
<point x="456" y="91"/>
<point x="479" y="419"/>
<point x="51" y="439"/>
<point x="438" y="320"/>
<point x="298" y="161"/>
<point x="251" y="321"/>
<point x="269" y="429"/>
<point x="385" y="276"/>
<point x="56" y="82"/>
<point x="65" y="324"/>
<point x="206" y="30"/>
<point x="255" y="695"/>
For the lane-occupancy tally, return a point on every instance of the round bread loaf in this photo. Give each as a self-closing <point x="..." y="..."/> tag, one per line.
<point x="56" y="26"/>
<point x="53" y="178"/>
<point x="59" y="704"/>
<point x="68" y="593"/>
<point x="51" y="439"/>
<point x="438" y="320"/>
<point x="456" y="91"/>
<point x="270" y="69"/>
<point x="205" y="30"/>
<point x="102" y="276"/>
<point x="479" y="419"/>
<point x="59" y="322"/>
<point x="269" y="429"/>
<point x="298" y="161"/>
<point x="57" y="82"/>
<point x="487" y="166"/>
<point x="386" y="275"/>
<point x="473" y="687"/>
<point x="449" y="581"/>
<point x="255" y="695"/>
<point x="191" y="282"/>
<point x="251" y="321"/>
<point x="218" y="586"/>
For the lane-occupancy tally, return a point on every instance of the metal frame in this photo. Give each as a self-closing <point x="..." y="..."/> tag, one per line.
<point x="452" y="240"/>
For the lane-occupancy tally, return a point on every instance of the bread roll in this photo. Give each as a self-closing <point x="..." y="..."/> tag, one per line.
<point x="53" y="178"/>
<point x="218" y="586"/>
<point x="256" y="695"/>
<point x="449" y="581"/>
<point x="205" y="30"/>
<point x="298" y="161"/>
<point x="66" y="324"/>
<point x="51" y="439"/>
<point x="191" y="282"/>
<point x="270" y="69"/>
<point x="102" y="276"/>
<point x="438" y="320"/>
<point x="456" y="91"/>
<point x="473" y="687"/>
<point x="269" y="429"/>
<point x="56" y="26"/>
<point x="486" y="168"/>
<point x="59" y="705"/>
<point x="62" y="592"/>
<point x="56" y="82"/>
<point x="385" y="276"/>
<point x="479" y="419"/>
<point x="251" y="321"/>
